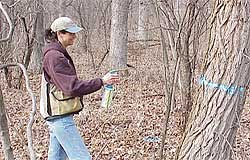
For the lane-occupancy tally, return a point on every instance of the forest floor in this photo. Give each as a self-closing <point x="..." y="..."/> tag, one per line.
<point x="129" y="130"/>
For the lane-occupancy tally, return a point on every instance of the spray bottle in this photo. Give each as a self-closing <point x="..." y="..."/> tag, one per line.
<point x="107" y="96"/>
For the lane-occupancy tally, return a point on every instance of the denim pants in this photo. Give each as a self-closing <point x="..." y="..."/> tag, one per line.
<point x="65" y="140"/>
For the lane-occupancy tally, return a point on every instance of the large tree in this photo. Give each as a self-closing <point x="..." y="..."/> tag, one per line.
<point x="119" y="34"/>
<point x="214" y="119"/>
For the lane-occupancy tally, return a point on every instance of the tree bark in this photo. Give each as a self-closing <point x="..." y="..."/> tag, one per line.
<point x="212" y="126"/>
<point x="185" y="67"/>
<point x="36" y="58"/>
<point x="62" y="8"/>
<point x="119" y="34"/>
<point x="143" y="21"/>
<point x="4" y="131"/>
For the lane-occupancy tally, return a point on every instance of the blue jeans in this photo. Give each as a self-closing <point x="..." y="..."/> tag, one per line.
<point x="65" y="140"/>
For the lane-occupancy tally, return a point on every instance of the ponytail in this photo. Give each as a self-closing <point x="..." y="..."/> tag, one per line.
<point x="50" y="36"/>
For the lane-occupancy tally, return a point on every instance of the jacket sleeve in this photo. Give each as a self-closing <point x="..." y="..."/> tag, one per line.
<point x="63" y="75"/>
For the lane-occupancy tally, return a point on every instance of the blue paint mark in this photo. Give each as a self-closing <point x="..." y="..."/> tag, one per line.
<point x="151" y="139"/>
<point x="228" y="89"/>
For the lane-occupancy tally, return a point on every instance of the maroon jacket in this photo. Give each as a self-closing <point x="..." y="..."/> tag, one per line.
<point x="60" y="70"/>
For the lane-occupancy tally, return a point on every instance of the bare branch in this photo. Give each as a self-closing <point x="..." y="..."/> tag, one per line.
<point x="32" y="113"/>
<point x="10" y="24"/>
<point x="12" y="5"/>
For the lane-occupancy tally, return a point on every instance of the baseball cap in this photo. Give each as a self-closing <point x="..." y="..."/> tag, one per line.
<point x="64" y="23"/>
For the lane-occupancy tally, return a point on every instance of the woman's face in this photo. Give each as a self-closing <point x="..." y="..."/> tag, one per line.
<point x="66" y="39"/>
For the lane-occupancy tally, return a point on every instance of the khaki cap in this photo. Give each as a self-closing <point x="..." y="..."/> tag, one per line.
<point x="64" y="23"/>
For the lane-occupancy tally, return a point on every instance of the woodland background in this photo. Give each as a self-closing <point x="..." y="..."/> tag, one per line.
<point x="132" y="128"/>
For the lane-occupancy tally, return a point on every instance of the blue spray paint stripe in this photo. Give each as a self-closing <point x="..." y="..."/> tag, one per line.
<point x="151" y="139"/>
<point x="228" y="89"/>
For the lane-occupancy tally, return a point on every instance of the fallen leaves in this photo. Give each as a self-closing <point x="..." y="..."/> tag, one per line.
<point x="120" y="132"/>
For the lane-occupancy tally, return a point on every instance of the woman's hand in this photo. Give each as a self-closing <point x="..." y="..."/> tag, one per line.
<point x="110" y="78"/>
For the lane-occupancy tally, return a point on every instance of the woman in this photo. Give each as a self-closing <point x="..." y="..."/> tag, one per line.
<point x="59" y="71"/>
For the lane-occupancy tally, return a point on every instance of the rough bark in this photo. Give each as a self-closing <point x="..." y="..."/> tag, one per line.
<point x="212" y="126"/>
<point x="185" y="67"/>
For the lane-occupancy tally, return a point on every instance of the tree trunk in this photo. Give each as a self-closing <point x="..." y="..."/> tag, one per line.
<point x="6" y="47"/>
<point x="62" y="8"/>
<point x="119" y="34"/>
<point x="30" y="48"/>
<point x="212" y="126"/>
<point x="185" y="67"/>
<point x="4" y="131"/>
<point x="143" y="21"/>
<point x="36" y="59"/>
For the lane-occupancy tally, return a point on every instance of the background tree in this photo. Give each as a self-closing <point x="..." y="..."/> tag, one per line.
<point x="119" y="34"/>
<point x="36" y="59"/>
<point x="6" y="45"/>
<point x="179" y="19"/>
<point x="4" y="130"/>
<point x="143" y="20"/>
<point x="62" y="6"/>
